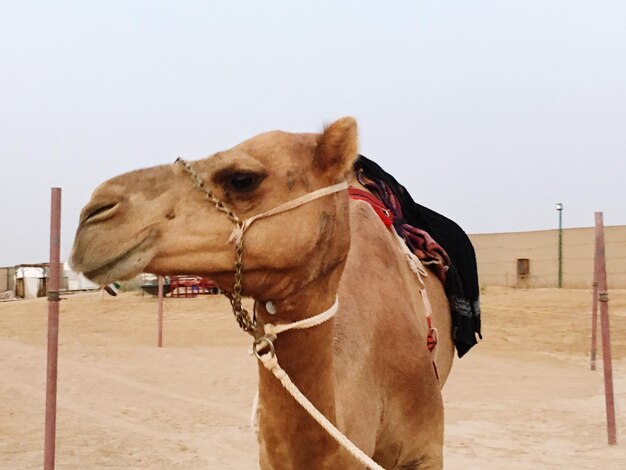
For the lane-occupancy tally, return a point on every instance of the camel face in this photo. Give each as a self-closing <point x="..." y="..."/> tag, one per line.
<point x="155" y="220"/>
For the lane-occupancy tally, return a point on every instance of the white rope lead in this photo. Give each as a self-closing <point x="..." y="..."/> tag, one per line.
<point x="272" y="331"/>
<point x="270" y="362"/>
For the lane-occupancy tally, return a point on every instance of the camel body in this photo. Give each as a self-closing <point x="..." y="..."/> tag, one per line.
<point x="368" y="369"/>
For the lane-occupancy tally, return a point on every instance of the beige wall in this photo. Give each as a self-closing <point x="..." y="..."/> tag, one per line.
<point x="6" y="279"/>
<point x="497" y="255"/>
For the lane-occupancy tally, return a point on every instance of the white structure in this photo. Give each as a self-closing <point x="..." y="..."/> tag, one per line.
<point x="33" y="279"/>
<point x="76" y="281"/>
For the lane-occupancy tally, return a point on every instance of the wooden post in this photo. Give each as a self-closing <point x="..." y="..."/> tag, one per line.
<point x="53" y="329"/>
<point x="603" y="298"/>
<point x="160" y="314"/>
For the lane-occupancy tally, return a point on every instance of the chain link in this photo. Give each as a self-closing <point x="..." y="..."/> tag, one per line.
<point x="245" y="321"/>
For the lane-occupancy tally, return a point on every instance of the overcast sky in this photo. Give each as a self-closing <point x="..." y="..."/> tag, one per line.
<point x="489" y="112"/>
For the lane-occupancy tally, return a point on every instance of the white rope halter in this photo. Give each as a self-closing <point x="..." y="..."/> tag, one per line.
<point x="240" y="230"/>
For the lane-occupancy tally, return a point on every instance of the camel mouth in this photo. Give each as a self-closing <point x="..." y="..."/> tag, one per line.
<point x="126" y="265"/>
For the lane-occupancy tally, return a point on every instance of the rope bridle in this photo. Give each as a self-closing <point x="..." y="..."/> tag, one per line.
<point x="246" y="321"/>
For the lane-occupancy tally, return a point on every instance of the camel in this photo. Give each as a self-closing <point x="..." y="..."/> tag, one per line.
<point x="367" y="369"/>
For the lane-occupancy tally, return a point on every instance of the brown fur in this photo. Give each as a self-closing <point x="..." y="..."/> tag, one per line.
<point x="368" y="369"/>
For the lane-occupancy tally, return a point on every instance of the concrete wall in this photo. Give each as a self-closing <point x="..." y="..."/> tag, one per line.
<point x="497" y="255"/>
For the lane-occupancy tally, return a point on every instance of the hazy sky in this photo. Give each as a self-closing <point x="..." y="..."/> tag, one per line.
<point x="490" y="112"/>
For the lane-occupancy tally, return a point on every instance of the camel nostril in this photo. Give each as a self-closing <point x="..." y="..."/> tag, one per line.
<point x="100" y="212"/>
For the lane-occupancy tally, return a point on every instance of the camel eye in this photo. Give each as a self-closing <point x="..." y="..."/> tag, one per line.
<point x="239" y="181"/>
<point x="243" y="182"/>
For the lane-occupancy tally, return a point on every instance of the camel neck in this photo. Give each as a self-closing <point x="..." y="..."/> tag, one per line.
<point x="307" y="356"/>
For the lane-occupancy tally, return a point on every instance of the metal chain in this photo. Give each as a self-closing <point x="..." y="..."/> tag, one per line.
<point x="245" y="321"/>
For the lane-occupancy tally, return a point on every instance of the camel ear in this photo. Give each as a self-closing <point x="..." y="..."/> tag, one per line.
<point x="337" y="147"/>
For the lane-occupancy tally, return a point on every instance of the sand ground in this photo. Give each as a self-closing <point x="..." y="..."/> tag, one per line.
<point x="522" y="399"/>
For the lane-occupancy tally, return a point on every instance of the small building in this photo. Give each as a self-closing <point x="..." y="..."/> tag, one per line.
<point x="31" y="280"/>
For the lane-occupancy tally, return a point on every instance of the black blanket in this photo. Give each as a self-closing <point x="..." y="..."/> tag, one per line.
<point x="461" y="284"/>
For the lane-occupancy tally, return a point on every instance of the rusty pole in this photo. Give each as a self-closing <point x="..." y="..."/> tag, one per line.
<point x="160" y="314"/>
<point x="603" y="298"/>
<point x="594" y="307"/>
<point x="53" y="330"/>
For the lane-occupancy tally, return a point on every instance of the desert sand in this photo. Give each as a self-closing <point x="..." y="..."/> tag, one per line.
<point x="524" y="398"/>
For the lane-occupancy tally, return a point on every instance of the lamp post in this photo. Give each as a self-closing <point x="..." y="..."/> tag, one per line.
<point x="559" y="208"/>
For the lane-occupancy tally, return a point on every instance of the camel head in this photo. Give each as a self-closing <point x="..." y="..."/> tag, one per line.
<point x="156" y="220"/>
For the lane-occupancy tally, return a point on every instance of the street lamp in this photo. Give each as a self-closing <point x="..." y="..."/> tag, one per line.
<point x="559" y="208"/>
